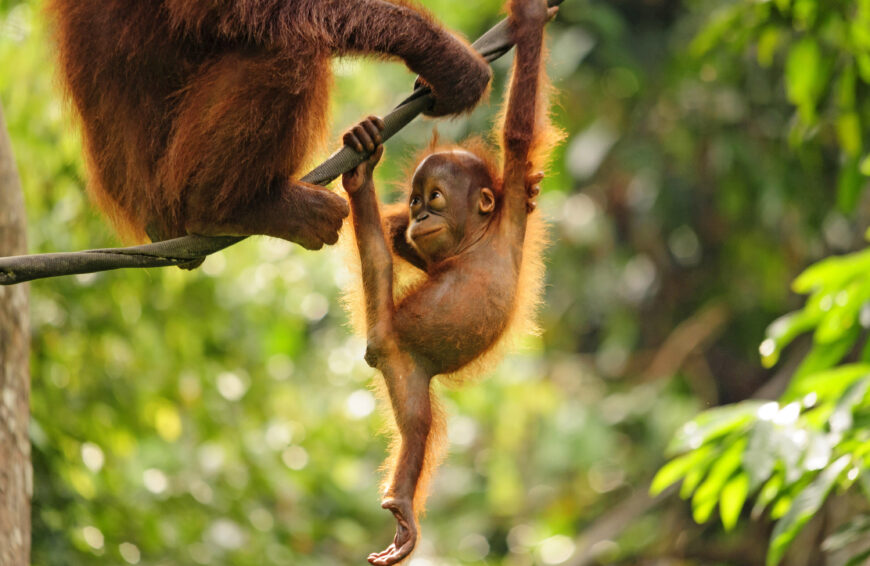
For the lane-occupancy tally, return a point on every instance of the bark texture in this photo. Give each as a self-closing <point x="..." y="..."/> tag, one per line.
<point x="16" y="474"/>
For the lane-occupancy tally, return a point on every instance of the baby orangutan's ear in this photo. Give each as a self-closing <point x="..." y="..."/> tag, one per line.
<point x="486" y="201"/>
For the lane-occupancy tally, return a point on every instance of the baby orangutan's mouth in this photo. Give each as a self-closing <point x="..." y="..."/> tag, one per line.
<point x="429" y="232"/>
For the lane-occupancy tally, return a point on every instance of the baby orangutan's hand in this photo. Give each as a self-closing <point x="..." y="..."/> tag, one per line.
<point x="365" y="136"/>
<point x="531" y="12"/>
<point x="533" y="189"/>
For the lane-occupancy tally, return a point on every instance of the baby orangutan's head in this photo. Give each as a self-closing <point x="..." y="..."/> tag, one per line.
<point x="451" y="202"/>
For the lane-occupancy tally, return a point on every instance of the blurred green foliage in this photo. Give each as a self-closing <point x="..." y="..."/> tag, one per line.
<point x="223" y="416"/>
<point x="791" y="454"/>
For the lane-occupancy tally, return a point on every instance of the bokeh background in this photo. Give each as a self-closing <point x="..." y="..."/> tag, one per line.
<point x="224" y="416"/>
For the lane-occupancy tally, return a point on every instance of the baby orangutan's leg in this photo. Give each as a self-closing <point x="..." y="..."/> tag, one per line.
<point x="409" y="395"/>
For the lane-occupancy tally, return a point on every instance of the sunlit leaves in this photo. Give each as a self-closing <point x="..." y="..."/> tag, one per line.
<point x="805" y="505"/>
<point x="712" y="424"/>
<point x="709" y="492"/>
<point x="784" y="461"/>
<point x="732" y="499"/>
<point x="789" y="455"/>
<point x="676" y="469"/>
<point x="820" y="52"/>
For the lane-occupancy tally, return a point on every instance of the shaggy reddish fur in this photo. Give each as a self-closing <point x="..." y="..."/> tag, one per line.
<point x="467" y="228"/>
<point x="197" y="114"/>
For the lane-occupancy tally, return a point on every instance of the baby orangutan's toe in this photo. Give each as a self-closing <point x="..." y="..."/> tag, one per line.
<point x="406" y="534"/>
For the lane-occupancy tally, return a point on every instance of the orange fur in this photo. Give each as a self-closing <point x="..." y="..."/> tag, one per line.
<point x="199" y="114"/>
<point x="450" y="276"/>
<point x="407" y="278"/>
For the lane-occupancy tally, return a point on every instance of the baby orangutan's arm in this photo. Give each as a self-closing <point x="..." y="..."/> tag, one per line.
<point x="375" y="256"/>
<point x="524" y="115"/>
<point x="407" y="382"/>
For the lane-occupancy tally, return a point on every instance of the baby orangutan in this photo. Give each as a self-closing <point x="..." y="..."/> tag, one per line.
<point x="465" y="225"/>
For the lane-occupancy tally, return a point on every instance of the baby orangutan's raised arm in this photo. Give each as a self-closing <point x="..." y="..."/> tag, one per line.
<point x="465" y="226"/>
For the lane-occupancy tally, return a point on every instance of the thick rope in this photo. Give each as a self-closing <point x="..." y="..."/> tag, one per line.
<point x="18" y="269"/>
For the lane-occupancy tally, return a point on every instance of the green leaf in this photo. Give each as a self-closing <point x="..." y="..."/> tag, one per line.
<point x="844" y="312"/>
<point x="826" y="355"/>
<point x="849" y="135"/>
<point x="805" y="12"/>
<point x="803" y="71"/>
<point x="846" y="88"/>
<point x="782" y="331"/>
<point x="841" y="419"/>
<point x="781" y="507"/>
<point x="767" y="495"/>
<point x="691" y="481"/>
<point x="832" y="272"/>
<point x="829" y="384"/>
<point x="713" y="424"/>
<point x="677" y="468"/>
<point x="709" y="492"/>
<point x="850" y="181"/>
<point x="818" y="453"/>
<point x="805" y="505"/>
<point x="759" y="459"/>
<point x="722" y="22"/>
<point x="768" y="42"/>
<point x="702" y="510"/>
<point x="731" y="502"/>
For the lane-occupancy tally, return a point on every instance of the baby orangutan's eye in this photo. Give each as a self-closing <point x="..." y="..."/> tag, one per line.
<point x="415" y="201"/>
<point x="437" y="200"/>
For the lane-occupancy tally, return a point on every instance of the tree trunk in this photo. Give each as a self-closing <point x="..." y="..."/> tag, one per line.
<point x="16" y="474"/>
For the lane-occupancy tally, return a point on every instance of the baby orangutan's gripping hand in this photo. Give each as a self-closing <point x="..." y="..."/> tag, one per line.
<point x="365" y="136"/>
<point x="533" y="189"/>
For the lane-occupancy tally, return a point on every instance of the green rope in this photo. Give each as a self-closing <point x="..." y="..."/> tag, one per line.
<point x="18" y="269"/>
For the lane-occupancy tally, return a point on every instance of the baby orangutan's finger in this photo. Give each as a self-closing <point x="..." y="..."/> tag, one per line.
<point x="372" y="129"/>
<point x="363" y="136"/>
<point x="379" y="122"/>
<point x="351" y="141"/>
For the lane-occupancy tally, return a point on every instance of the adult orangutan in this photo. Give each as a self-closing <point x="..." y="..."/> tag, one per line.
<point x="465" y="225"/>
<point x="197" y="114"/>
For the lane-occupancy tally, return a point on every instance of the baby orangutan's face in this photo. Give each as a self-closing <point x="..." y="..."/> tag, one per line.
<point x="447" y="203"/>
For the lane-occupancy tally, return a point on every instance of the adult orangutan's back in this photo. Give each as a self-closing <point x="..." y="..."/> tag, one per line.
<point x="198" y="114"/>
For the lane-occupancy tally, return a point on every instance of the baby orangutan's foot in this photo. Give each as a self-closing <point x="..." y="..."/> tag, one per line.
<point x="406" y="534"/>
